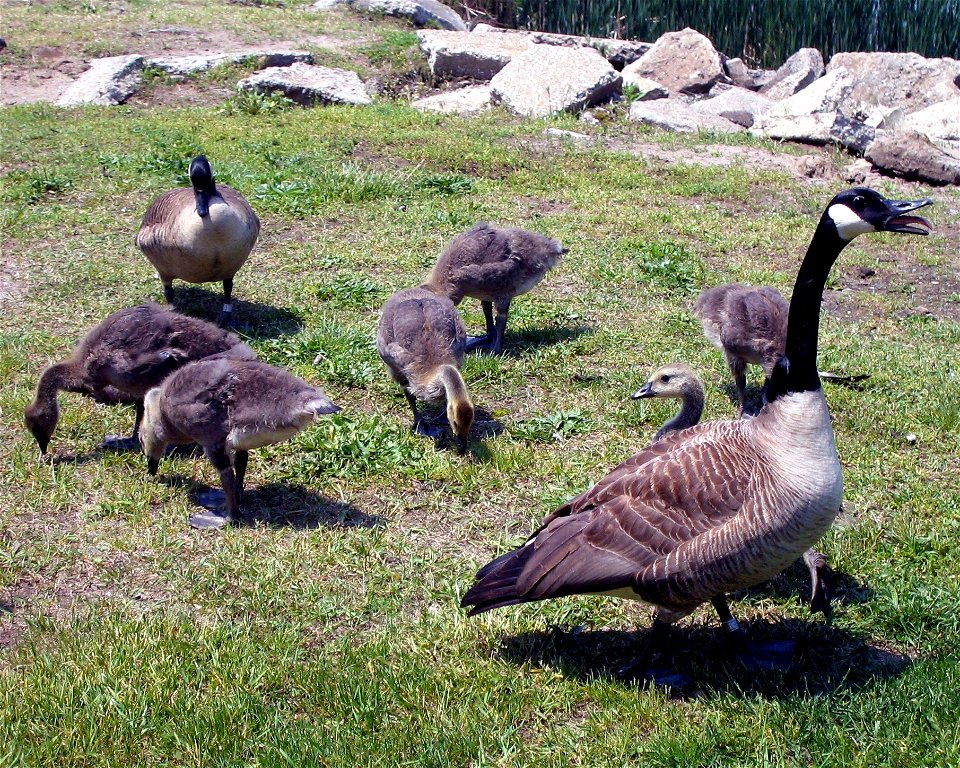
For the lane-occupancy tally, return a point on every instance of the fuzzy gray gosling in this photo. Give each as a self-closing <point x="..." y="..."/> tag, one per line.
<point x="421" y="339"/>
<point x="229" y="407"/>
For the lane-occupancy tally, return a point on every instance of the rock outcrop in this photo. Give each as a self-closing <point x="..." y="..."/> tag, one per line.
<point x="795" y="74"/>
<point x="913" y="156"/>
<point x="109" y="81"/>
<point x="309" y="85"/>
<point x="547" y="79"/>
<point x="477" y="55"/>
<point x="179" y="67"/>
<point x="683" y="62"/>
<point x="904" y="80"/>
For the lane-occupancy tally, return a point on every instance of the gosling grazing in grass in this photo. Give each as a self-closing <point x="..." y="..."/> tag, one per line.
<point x="719" y="506"/>
<point x="749" y="325"/>
<point x="229" y="407"/>
<point x="493" y="264"/>
<point x="422" y="339"/>
<point x="199" y="234"/>
<point x="676" y="380"/>
<point x="123" y="357"/>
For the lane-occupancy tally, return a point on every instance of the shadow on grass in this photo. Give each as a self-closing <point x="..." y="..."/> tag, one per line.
<point x="485" y="425"/>
<point x="250" y="318"/>
<point x="279" y="505"/>
<point x="519" y="343"/>
<point x="825" y="659"/>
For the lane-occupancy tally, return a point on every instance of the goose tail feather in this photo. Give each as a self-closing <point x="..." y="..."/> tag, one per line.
<point x="496" y="583"/>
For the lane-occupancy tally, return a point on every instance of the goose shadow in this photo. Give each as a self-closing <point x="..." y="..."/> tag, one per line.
<point x="518" y="343"/>
<point x="251" y="319"/>
<point x="825" y="659"/>
<point x="189" y="451"/>
<point x="485" y="425"/>
<point x="279" y="505"/>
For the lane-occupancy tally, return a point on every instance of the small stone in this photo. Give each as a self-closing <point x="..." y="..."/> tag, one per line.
<point x="910" y="438"/>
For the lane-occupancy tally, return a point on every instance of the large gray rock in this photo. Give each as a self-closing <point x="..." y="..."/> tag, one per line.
<point x="179" y="67"/>
<point x="618" y="52"/>
<point x="463" y="101"/>
<point x="904" y="80"/>
<point x="940" y="121"/>
<point x="308" y="84"/>
<point x="547" y="79"/>
<point x="738" y="105"/>
<point x="478" y="55"/>
<point x="419" y="12"/>
<point x="647" y="89"/>
<point x="808" y="115"/>
<point x="110" y="80"/>
<point x="684" y="62"/>
<point x="914" y="156"/>
<point x="677" y="115"/>
<point x="795" y="74"/>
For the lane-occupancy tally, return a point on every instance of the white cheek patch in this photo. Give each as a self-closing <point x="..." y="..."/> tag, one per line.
<point x="848" y="223"/>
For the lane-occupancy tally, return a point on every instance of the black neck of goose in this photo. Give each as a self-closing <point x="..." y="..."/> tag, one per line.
<point x="797" y="370"/>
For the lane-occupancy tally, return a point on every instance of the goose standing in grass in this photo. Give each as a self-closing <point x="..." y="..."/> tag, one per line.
<point x="676" y="380"/>
<point x="122" y="358"/>
<point x="199" y="234"/>
<point x="229" y="407"/>
<point x="422" y="339"/>
<point x="717" y="507"/>
<point x="493" y="264"/>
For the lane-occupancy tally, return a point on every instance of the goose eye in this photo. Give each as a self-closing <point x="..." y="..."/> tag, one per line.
<point x="859" y="202"/>
<point x="665" y="378"/>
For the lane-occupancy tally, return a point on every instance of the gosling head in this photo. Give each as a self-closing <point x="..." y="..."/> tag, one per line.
<point x="460" y="415"/>
<point x="41" y="419"/>
<point x="201" y="178"/>
<point x="151" y="431"/>
<point x="861" y="209"/>
<point x="672" y="380"/>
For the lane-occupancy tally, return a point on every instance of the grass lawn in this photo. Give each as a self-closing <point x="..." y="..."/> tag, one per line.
<point x="327" y="631"/>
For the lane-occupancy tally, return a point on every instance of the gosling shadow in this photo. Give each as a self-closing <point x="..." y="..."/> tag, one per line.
<point x="485" y="425"/>
<point x="521" y="342"/>
<point x="826" y="659"/>
<point x="251" y="319"/>
<point x="279" y="505"/>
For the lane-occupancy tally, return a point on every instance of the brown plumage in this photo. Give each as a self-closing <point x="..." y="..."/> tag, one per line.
<point x="676" y="380"/>
<point x="748" y="324"/>
<point x="719" y="506"/>
<point x="421" y="338"/>
<point x="199" y="234"/>
<point x="229" y="407"/>
<point x="493" y="264"/>
<point x="120" y="359"/>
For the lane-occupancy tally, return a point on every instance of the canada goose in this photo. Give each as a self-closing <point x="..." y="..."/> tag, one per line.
<point x="422" y="339"/>
<point x="199" y="234"/>
<point x="717" y="507"/>
<point x="677" y="380"/>
<point x="127" y="354"/>
<point x="493" y="264"/>
<point x="228" y="407"/>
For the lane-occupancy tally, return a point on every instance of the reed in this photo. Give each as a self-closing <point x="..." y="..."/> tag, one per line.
<point x="763" y="32"/>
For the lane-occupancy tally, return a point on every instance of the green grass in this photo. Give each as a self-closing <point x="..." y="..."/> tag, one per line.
<point x="328" y="632"/>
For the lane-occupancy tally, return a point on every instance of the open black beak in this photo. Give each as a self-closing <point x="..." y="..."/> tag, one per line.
<point x="899" y="222"/>
<point x="152" y="466"/>
<point x="645" y="391"/>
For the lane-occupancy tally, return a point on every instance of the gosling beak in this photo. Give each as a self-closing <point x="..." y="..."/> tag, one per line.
<point x="152" y="466"/>
<point x="645" y="391"/>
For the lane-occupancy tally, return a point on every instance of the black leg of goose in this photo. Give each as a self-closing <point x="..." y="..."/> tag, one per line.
<point x="221" y="462"/>
<point x="240" y="468"/>
<point x="776" y="654"/>
<point x="483" y="342"/>
<point x="639" y="669"/>
<point x="168" y="292"/>
<point x="503" y="309"/>
<point x="420" y="425"/>
<point x="822" y="583"/>
<point x="226" y="316"/>
<point x="132" y="443"/>
<point x="739" y="370"/>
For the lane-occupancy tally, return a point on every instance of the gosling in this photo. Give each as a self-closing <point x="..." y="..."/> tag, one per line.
<point x="422" y="340"/>
<point x="493" y="264"/>
<point x="229" y="407"/>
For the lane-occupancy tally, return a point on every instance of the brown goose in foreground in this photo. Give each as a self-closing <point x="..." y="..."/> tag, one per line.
<point x="421" y="338"/>
<point x="676" y="380"/>
<point x="493" y="264"/>
<point x="123" y="357"/>
<point x="229" y="407"/>
<point x="717" y="507"/>
<point x="199" y="234"/>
